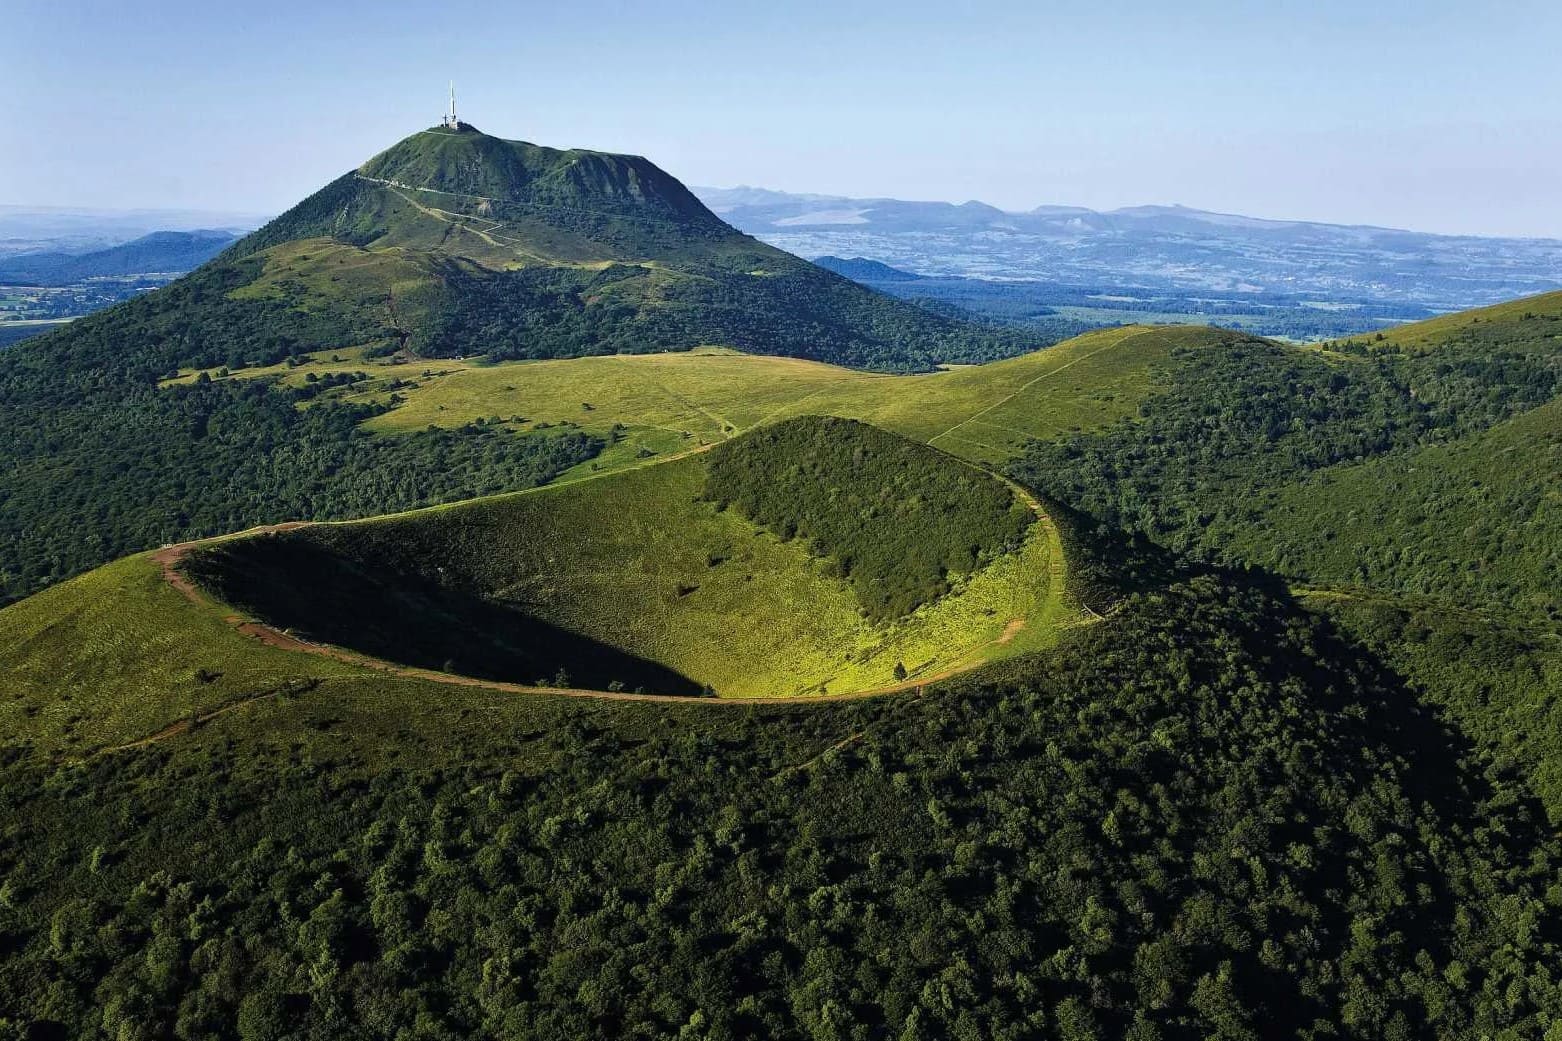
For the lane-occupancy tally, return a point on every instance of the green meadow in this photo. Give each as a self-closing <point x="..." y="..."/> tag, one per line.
<point x="118" y="653"/>
<point x="670" y="402"/>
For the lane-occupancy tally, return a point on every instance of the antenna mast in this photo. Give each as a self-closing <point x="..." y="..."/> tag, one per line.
<point x="453" y="121"/>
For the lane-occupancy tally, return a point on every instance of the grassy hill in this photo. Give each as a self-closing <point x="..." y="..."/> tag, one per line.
<point x="640" y="580"/>
<point x="665" y="403"/>
<point x="1220" y="812"/>
<point x="1301" y="781"/>
<point x="531" y="252"/>
<point x="898" y="521"/>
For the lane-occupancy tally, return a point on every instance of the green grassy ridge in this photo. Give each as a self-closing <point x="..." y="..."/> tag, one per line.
<point x="117" y="654"/>
<point x="896" y="519"/>
<point x="664" y="402"/>
<point x="641" y="562"/>
<point x="1529" y="323"/>
<point x="1208" y="819"/>
<point x="1240" y="452"/>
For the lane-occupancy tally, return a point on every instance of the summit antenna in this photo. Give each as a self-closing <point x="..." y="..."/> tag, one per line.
<point x="450" y="121"/>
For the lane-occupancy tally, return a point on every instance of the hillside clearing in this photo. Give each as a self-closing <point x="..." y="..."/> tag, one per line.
<point x="668" y="402"/>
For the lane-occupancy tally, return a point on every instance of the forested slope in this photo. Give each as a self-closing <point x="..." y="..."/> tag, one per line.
<point x="1426" y="470"/>
<point x="1409" y="484"/>
<point x="1209" y="819"/>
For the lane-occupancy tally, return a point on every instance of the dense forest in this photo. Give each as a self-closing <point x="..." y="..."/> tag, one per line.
<point x="1211" y="819"/>
<point x="1299" y="777"/>
<point x="897" y="518"/>
<point x="100" y="461"/>
<point x="1206" y="467"/>
<point x="799" y="311"/>
<point x="1407" y="487"/>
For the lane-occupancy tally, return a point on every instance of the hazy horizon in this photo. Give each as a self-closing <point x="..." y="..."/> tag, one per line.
<point x="1441" y="122"/>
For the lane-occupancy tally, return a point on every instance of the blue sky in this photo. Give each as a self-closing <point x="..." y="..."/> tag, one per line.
<point x="1436" y="116"/>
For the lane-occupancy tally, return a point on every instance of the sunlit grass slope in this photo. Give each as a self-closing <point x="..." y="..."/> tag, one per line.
<point x="665" y="402"/>
<point x="112" y="655"/>
<point x="641" y="563"/>
<point x="1529" y="323"/>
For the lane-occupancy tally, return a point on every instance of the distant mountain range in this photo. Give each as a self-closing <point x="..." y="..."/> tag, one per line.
<point x="861" y="269"/>
<point x="61" y="229"/>
<point x="1149" y="247"/>
<point x="161" y="252"/>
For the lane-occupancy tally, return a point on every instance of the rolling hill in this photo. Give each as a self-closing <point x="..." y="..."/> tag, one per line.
<point x="1209" y="816"/>
<point x="1156" y="249"/>
<point x="1163" y="684"/>
<point x="449" y="246"/>
<point x="667" y="579"/>
<point x="1406" y="485"/>
<point x="307" y="795"/>
<point x="158" y="252"/>
<point x="649" y="580"/>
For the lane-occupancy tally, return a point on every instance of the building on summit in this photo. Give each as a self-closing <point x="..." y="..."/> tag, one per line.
<point x="449" y="121"/>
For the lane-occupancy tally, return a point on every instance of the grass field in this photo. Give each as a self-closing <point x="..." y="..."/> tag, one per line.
<point x="664" y="403"/>
<point x="116" y="653"/>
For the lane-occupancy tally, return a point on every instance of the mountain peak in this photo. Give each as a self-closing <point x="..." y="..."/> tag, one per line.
<point x="464" y="161"/>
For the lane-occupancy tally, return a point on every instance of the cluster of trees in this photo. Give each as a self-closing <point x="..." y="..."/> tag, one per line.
<point x="796" y="310"/>
<point x="896" y="517"/>
<point x="100" y="461"/>
<point x="11" y="334"/>
<point x="1210" y="819"/>
<point x="1498" y="678"/>
<point x="1472" y="522"/>
<point x="1415" y="483"/>
<point x="88" y="484"/>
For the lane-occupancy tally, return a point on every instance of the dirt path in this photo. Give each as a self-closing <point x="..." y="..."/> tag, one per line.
<point x="185" y="725"/>
<point x="973" y="417"/>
